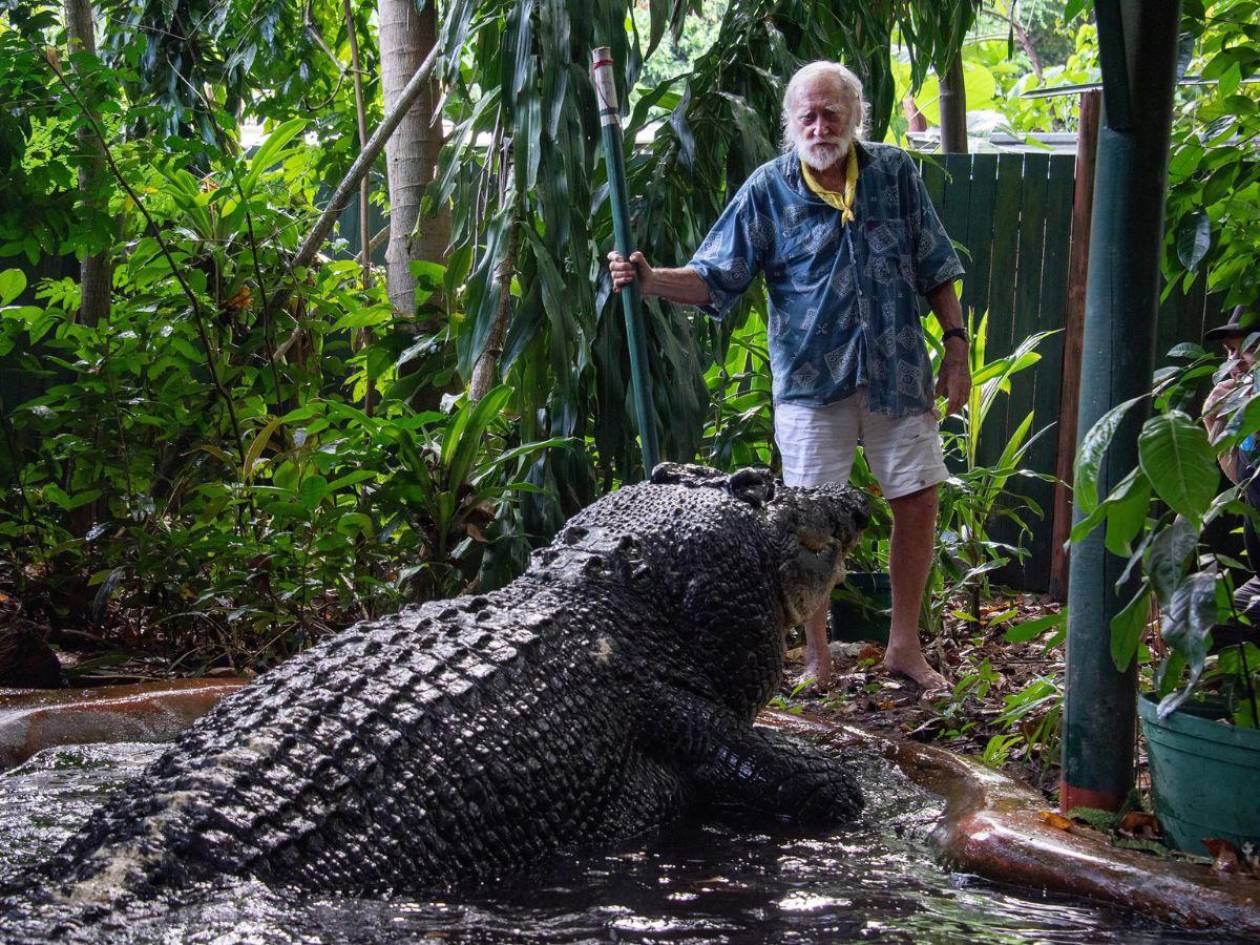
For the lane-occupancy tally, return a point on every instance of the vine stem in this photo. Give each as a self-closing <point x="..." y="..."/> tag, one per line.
<point x="198" y="315"/>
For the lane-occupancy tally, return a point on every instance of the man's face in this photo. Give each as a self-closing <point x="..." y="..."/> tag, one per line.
<point x="819" y="123"/>
<point x="1239" y="360"/>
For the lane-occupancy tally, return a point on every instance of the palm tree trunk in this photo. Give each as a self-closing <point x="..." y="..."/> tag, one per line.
<point x="94" y="274"/>
<point x="953" y="106"/>
<point x="406" y="37"/>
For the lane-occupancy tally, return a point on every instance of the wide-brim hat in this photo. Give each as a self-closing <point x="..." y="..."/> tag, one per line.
<point x="1244" y="321"/>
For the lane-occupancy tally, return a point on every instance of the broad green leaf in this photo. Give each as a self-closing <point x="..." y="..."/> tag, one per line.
<point x="312" y="491"/>
<point x="1188" y="619"/>
<point x="1167" y="556"/>
<point x="1031" y="629"/>
<point x="1229" y="81"/>
<point x="1126" y="513"/>
<point x="1194" y="238"/>
<point x="256" y="446"/>
<point x="270" y="151"/>
<point x="350" y="479"/>
<point x="12" y="284"/>
<point x="1174" y="452"/>
<point x="355" y="523"/>
<point x="1187" y="349"/>
<point x="1127" y="627"/>
<point x="1089" y="456"/>
<point x="463" y="441"/>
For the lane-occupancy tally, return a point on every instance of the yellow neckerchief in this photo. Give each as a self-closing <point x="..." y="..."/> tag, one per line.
<point x="841" y="201"/>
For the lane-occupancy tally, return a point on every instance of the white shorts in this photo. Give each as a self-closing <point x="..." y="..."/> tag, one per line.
<point x="818" y="443"/>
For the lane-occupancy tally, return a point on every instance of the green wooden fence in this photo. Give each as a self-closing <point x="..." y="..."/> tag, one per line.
<point x="1012" y="215"/>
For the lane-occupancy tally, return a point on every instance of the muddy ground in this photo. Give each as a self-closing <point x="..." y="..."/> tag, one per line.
<point x="1004" y="706"/>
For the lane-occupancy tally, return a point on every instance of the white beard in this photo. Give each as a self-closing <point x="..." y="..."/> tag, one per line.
<point x="820" y="155"/>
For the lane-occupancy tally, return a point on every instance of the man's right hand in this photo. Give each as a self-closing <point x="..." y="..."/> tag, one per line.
<point x="623" y="272"/>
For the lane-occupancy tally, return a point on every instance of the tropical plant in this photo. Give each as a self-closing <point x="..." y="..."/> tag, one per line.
<point x="1170" y="562"/>
<point x="978" y="495"/>
<point x="1213" y="211"/>
<point x="532" y="221"/>
<point x="229" y="483"/>
<point x="740" y="431"/>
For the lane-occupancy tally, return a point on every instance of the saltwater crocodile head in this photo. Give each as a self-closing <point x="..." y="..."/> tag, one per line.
<point x="814" y="530"/>
<point x="811" y="530"/>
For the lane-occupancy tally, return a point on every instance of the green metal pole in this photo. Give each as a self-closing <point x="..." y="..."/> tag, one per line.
<point x="640" y="378"/>
<point x="1138" y="47"/>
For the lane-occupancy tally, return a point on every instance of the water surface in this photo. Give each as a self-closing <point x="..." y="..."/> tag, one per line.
<point x="696" y="883"/>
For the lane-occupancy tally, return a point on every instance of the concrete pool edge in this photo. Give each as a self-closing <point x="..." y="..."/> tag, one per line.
<point x="992" y="827"/>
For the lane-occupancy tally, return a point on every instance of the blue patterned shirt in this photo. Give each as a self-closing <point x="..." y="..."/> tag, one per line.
<point x="843" y="298"/>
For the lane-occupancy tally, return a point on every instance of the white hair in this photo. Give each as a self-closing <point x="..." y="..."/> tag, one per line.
<point x="846" y="82"/>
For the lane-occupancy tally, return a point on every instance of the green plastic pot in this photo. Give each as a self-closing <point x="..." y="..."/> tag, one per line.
<point x="860" y="608"/>
<point x="1205" y="776"/>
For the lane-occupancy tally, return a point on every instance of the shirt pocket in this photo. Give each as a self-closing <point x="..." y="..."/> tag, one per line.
<point x="809" y="250"/>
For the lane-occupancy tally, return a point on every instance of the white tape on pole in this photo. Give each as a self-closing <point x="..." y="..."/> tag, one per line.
<point x="605" y="86"/>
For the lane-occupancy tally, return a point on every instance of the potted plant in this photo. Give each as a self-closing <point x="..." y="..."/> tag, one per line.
<point x="1200" y="716"/>
<point x="862" y="603"/>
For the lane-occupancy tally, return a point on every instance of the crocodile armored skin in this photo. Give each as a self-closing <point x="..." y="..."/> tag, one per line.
<point x="591" y="700"/>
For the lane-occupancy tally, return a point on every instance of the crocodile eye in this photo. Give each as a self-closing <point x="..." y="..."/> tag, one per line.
<point x="813" y="539"/>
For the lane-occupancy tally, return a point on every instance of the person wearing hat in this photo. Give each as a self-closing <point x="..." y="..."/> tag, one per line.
<point x="1240" y="336"/>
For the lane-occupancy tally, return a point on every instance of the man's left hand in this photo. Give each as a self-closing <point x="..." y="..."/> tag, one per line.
<point x="954" y="381"/>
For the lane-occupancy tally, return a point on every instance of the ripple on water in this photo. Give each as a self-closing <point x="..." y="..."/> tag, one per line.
<point x="695" y="883"/>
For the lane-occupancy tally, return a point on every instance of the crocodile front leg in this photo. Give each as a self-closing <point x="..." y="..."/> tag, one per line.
<point x="732" y="765"/>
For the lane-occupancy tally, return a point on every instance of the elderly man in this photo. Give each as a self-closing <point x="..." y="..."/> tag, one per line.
<point x="847" y="239"/>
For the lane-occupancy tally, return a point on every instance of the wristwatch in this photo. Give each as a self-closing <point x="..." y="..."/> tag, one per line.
<point x="954" y="333"/>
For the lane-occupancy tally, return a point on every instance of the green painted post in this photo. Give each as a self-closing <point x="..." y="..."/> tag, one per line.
<point x="640" y="378"/>
<point x="1138" y="45"/>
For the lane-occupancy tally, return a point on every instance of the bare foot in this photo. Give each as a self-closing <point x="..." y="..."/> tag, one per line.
<point x="916" y="669"/>
<point x="817" y="672"/>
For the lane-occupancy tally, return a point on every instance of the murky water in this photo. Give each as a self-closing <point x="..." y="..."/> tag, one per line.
<point x="874" y="882"/>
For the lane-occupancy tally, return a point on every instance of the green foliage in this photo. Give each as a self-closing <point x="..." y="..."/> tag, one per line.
<point x="199" y="454"/>
<point x="1054" y="113"/>
<point x="1212" y="228"/>
<point x="674" y="56"/>
<point x="1164" y="544"/>
<point x="980" y="493"/>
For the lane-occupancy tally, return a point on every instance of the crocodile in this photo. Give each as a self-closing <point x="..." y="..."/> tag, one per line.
<point x="594" y="699"/>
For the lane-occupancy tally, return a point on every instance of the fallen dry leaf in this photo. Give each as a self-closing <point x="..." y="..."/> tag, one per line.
<point x="1057" y="821"/>
<point x="870" y="652"/>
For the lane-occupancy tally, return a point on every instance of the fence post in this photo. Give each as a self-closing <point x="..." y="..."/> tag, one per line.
<point x="1073" y="338"/>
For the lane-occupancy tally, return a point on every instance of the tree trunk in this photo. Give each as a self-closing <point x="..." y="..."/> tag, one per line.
<point x="953" y="106"/>
<point x="1074" y="338"/>
<point x="406" y="37"/>
<point x="94" y="274"/>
